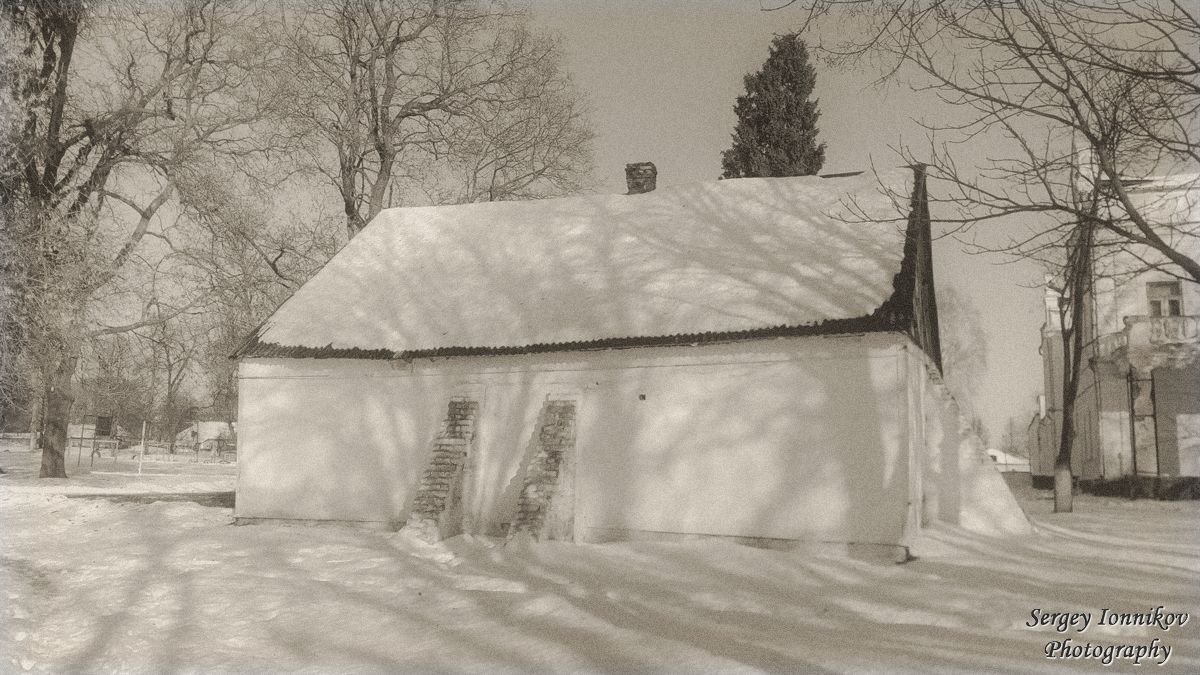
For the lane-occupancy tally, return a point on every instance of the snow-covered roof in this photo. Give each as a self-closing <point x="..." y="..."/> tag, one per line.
<point x="1001" y="457"/>
<point x="721" y="257"/>
<point x="206" y="430"/>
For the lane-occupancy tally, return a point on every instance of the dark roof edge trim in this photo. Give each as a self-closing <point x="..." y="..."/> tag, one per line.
<point x="874" y="323"/>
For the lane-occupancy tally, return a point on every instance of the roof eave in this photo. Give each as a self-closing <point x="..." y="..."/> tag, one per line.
<point x="882" y="320"/>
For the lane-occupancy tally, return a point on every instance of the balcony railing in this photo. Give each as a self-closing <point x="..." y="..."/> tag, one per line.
<point x="1148" y="341"/>
<point x="1153" y="331"/>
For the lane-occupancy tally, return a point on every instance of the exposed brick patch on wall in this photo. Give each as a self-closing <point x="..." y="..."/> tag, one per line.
<point x="437" y="507"/>
<point x="544" y="508"/>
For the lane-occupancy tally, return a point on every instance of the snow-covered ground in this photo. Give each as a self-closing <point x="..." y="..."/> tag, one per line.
<point x="133" y="585"/>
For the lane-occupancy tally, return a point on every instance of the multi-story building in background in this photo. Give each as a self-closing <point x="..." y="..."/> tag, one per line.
<point x="1137" y="411"/>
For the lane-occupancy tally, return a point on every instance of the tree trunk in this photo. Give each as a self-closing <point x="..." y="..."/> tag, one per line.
<point x="387" y="158"/>
<point x="352" y="227"/>
<point x="172" y="425"/>
<point x="1063" y="484"/>
<point x="1063" y="480"/>
<point x="57" y="414"/>
<point x="36" y="422"/>
<point x="1062" y="462"/>
<point x="1079" y="272"/>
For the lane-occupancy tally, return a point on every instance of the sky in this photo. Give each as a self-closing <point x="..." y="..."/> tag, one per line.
<point x="660" y="79"/>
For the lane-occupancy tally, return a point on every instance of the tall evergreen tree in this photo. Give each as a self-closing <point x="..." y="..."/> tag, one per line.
<point x="776" y="131"/>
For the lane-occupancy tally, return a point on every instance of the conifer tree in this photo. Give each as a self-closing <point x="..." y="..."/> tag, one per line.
<point x="776" y="131"/>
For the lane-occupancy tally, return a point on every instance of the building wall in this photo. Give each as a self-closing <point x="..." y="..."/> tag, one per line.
<point x="1177" y="394"/>
<point x="321" y="439"/>
<point x="1101" y="449"/>
<point x="808" y="448"/>
<point x="1125" y="296"/>
<point x="1112" y="456"/>
<point x="1044" y="438"/>
<point x="1088" y="449"/>
<point x="1049" y="429"/>
<point x="799" y="438"/>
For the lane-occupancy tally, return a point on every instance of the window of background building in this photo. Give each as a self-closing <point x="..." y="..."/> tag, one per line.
<point x="1166" y="298"/>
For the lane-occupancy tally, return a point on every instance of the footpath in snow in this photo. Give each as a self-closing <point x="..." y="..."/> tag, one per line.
<point x="155" y="578"/>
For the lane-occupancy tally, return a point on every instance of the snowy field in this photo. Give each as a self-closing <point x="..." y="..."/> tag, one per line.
<point x="156" y="579"/>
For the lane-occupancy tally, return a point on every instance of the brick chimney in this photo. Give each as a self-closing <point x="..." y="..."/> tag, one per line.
<point x="640" y="177"/>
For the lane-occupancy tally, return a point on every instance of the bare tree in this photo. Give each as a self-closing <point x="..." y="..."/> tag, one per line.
<point x="113" y="380"/>
<point x="533" y="142"/>
<point x="393" y="91"/>
<point x="1084" y="95"/>
<point x="173" y="346"/>
<point x="248" y="254"/>
<point x="964" y="346"/>
<point x="119" y="104"/>
<point x="1116" y="81"/>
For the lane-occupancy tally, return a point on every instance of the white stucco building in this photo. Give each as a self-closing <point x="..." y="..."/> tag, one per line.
<point x="753" y="358"/>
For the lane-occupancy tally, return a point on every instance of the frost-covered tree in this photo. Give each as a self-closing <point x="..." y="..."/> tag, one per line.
<point x="119" y="109"/>
<point x="776" y="131"/>
<point x="963" y="344"/>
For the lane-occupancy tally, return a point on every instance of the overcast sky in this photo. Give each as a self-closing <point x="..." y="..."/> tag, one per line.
<point x="661" y="77"/>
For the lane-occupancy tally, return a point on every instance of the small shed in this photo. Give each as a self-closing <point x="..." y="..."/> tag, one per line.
<point x="1006" y="462"/>
<point x="83" y="436"/>
<point x="204" y="434"/>
<point x="752" y="358"/>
